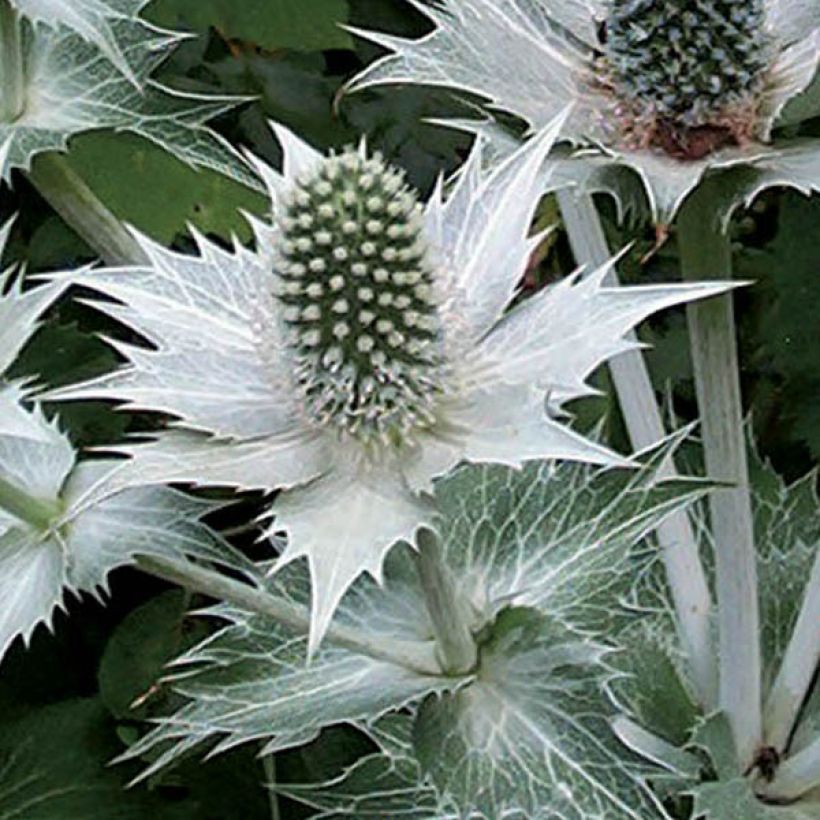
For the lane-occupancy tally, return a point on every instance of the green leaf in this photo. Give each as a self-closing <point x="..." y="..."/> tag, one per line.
<point x="786" y="270"/>
<point x="250" y="682"/>
<point x="170" y="194"/>
<point x="532" y="731"/>
<point x="558" y="541"/>
<point x="272" y="25"/>
<point x="733" y="799"/>
<point x="385" y="784"/>
<point x="91" y="19"/>
<point x="78" y="89"/>
<point x="53" y="766"/>
<point x="136" y="655"/>
<point x="558" y="538"/>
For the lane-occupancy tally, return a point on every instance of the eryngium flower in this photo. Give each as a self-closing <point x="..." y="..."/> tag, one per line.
<point x="362" y="350"/>
<point x="670" y="88"/>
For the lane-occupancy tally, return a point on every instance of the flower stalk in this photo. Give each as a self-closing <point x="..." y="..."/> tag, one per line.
<point x="417" y="656"/>
<point x="456" y="647"/>
<point x="642" y="416"/>
<point x="12" y="64"/>
<point x="83" y="211"/>
<point x="705" y="251"/>
<point x="38" y="513"/>
<point x="797" y="669"/>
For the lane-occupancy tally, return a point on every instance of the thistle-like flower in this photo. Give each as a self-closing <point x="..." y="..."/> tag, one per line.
<point x="363" y="350"/>
<point x="669" y="88"/>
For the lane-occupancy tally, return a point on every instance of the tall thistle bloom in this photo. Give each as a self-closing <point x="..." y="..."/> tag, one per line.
<point x="362" y="350"/>
<point x="669" y="88"/>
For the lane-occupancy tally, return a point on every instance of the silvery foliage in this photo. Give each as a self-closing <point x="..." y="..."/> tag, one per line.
<point x="19" y="314"/>
<point x="87" y="65"/>
<point x="534" y="57"/>
<point x="91" y="19"/>
<point x="91" y="531"/>
<point x="225" y="364"/>
<point x="544" y="556"/>
<point x="661" y="718"/>
<point x="88" y="536"/>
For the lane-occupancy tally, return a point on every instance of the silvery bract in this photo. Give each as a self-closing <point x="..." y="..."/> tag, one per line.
<point x="54" y="537"/>
<point x="364" y="349"/>
<point x="669" y="89"/>
<point x="57" y="531"/>
<point x="543" y="556"/>
<point x="66" y="68"/>
<point x="19" y="314"/>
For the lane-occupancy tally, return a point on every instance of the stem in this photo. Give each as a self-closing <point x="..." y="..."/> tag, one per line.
<point x="679" y="547"/>
<point x="706" y="252"/>
<point x="269" y="765"/>
<point x="798" y="774"/>
<point x="82" y="210"/>
<point x="12" y="64"/>
<point x="655" y="748"/>
<point x="797" y="669"/>
<point x="37" y="512"/>
<point x="415" y="655"/>
<point x="457" y="649"/>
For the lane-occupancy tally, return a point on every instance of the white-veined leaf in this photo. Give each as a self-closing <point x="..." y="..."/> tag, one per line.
<point x="72" y="86"/>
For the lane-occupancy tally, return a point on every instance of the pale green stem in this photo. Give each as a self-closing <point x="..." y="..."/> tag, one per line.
<point x="12" y="64"/>
<point x="705" y="253"/>
<point x="457" y="650"/>
<point x="269" y="765"/>
<point x="636" y="395"/>
<point x="415" y="655"/>
<point x="655" y="748"/>
<point x="797" y="669"/>
<point x="796" y="776"/>
<point x="82" y="210"/>
<point x="37" y="512"/>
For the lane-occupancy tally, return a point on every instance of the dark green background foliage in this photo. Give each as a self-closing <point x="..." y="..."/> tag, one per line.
<point x="66" y="704"/>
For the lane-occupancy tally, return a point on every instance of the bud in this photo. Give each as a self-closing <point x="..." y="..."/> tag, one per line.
<point x="355" y="287"/>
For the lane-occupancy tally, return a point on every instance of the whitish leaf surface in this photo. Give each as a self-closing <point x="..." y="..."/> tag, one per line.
<point x="542" y="556"/>
<point x="91" y="19"/>
<point x="530" y="737"/>
<point x="257" y="686"/>
<point x="72" y="86"/>
<point x="555" y="537"/>
<point x="19" y="314"/>
<point x="90" y="535"/>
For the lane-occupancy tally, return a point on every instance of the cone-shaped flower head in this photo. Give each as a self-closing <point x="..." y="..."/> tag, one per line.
<point x="357" y="294"/>
<point x="688" y="64"/>
<point x="669" y="88"/>
<point x="362" y="350"/>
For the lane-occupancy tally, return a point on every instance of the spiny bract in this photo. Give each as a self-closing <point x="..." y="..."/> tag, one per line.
<point x="356" y="286"/>
<point x="691" y="61"/>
